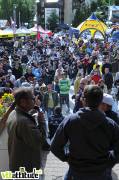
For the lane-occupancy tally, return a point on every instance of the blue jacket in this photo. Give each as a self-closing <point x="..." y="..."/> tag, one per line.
<point x="92" y="138"/>
<point x="37" y="73"/>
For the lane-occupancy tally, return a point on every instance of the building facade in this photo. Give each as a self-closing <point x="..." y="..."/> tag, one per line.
<point x="68" y="12"/>
<point x="66" y="8"/>
<point x="45" y="7"/>
<point x="70" y="8"/>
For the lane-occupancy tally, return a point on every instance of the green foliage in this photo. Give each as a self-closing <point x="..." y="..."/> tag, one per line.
<point x="100" y="8"/>
<point x="94" y="6"/>
<point x="101" y="3"/>
<point x="5" y="9"/>
<point x="117" y="2"/>
<point x="42" y="22"/>
<point x="25" y="7"/>
<point x="52" y="21"/>
<point x="107" y="2"/>
<point x="81" y="15"/>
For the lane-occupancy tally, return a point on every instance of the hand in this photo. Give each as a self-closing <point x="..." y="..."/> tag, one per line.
<point x="41" y="117"/>
<point x="37" y="101"/>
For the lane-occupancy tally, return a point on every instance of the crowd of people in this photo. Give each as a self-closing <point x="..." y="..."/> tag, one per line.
<point x="60" y="62"/>
<point x="51" y="67"/>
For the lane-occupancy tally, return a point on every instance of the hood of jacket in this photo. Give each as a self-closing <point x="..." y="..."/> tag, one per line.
<point x="91" y="119"/>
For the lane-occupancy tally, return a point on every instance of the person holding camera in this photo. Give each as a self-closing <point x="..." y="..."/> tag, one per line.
<point x="26" y="135"/>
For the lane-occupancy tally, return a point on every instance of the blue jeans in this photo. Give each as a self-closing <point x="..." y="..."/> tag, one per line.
<point x="71" y="175"/>
<point x="50" y="112"/>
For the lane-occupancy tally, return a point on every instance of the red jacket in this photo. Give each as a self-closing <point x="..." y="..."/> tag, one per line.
<point x="96" y="78"/>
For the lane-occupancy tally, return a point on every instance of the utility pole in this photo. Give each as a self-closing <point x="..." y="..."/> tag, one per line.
<point x="14" y="13"/>
<point x="14" y="18"/>
<point x="37" y="17"/>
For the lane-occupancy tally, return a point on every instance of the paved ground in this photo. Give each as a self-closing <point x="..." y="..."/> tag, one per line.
<point x="55" y="169"/>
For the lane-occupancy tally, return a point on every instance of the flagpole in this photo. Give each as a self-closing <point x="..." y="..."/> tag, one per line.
<point x="37" y="17"/>
<point x="14" y="18"/>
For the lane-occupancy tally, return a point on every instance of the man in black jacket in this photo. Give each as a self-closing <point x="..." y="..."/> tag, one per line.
<point x="93" y="140"/>
<point x="106" y="64"/>
<point x="108" y="79"/>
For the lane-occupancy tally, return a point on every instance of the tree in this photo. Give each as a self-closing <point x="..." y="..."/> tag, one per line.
<point x="117" y="2"/>
<point x="42" y="21"/>
<point x="52" y="21"/>
<point x="81" y="15"/>
<point x="25" y="7"/>
<point x="100" y="7"/>
<point x="94" y="6"/>
<point x="5" y="9"/>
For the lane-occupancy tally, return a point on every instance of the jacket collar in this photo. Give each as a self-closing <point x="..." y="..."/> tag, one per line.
<point x="24" y="113"/>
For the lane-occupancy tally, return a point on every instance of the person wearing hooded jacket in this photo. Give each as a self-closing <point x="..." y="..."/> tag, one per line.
<point x="93" y="140"/>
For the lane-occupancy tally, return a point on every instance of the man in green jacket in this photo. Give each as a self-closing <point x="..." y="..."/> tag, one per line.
<point x="50" y="100"/>
<point x="64" y="85"/>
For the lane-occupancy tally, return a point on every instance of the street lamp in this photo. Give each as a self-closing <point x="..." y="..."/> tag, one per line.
<point x="37" y="17"/>
<point x="14" y="14"/>
<point x="14" y="18"/>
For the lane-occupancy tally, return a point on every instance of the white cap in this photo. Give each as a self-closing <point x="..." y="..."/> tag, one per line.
<point x="108" y="99"/>
<point x="9" y="70"/>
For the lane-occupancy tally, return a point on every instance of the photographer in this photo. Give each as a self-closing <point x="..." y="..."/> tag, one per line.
<point x="25" y="134"/>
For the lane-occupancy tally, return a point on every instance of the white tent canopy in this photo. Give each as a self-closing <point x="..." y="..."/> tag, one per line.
<point x="3" y="23"/>
<point x="23" y="30"/>
<point x="8" y="30"/>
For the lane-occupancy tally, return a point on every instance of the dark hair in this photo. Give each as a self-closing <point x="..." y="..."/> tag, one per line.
<point x="58" y="110"/>
<point x="22" y="93"/>
<point x="93" y="96"/>
<point x="97" y="66"/>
